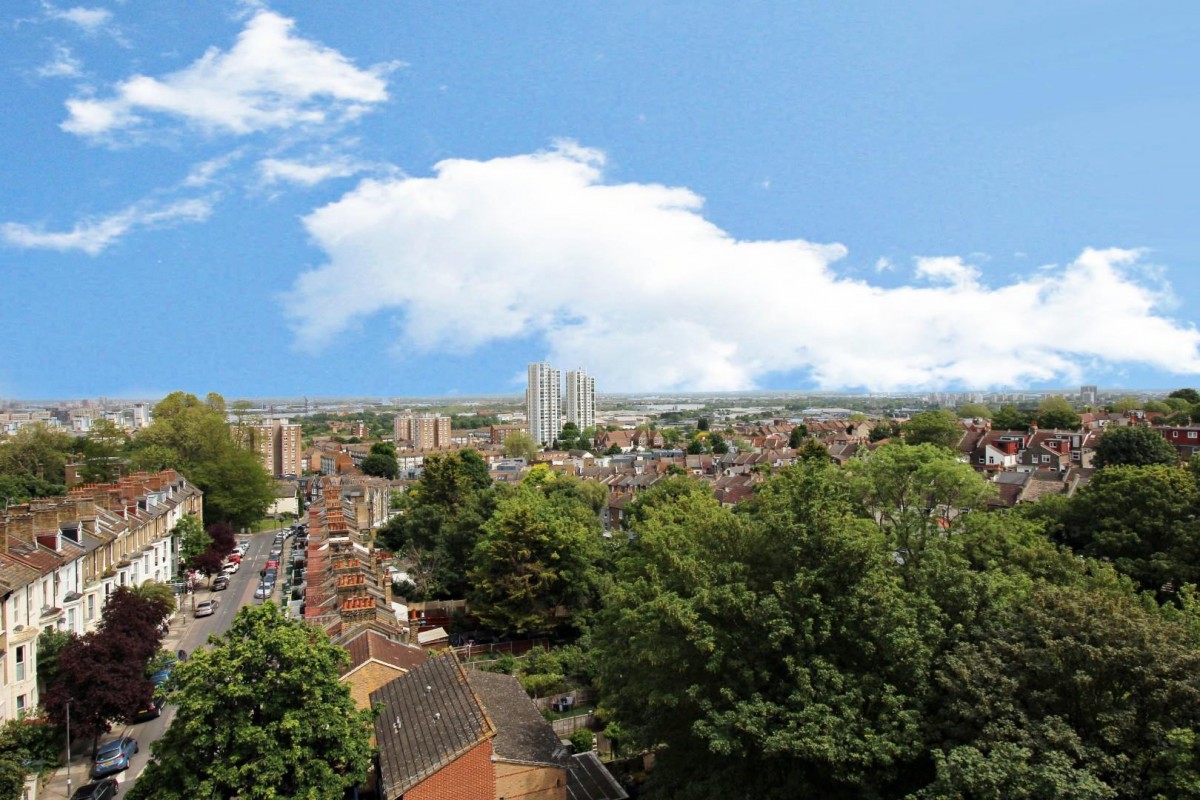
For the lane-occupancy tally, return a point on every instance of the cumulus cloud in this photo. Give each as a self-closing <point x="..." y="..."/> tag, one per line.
<point x="94" y="235"/>
<point x="269" y="80"/>
<point x="631" y="281"/>
<point x="307" y="173"/>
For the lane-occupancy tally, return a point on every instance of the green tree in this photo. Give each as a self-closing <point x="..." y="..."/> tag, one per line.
<point x="520" y="444"/>
<point x="717" y="443"/>
<point x="21" y="487"/>
<point x="236" y="488"/>
<point x="1142" y="519"/>
<point x="702" y="424"/>
<point x="50" y="645"/>
<point x="974" y="411"/>
<point x="261" y="715"/>
<point x="1057" y="413"/>
<point x="797" y="436"/>
<point x="534" y="567"/>
<point x="1134" y="445"/>
<point x="773" y="652"/>
<point x="192" y="538"/>
<point x="1189" y="396"/>
<point x="1124" y="404"/>
<point x="102" y="450"/>
<point x="938" y="427"/>
<point x="157" y="592"/>
<point x="37" y="451"/>
<point x="381" y="466"/>
<point x="1011" y="418"/>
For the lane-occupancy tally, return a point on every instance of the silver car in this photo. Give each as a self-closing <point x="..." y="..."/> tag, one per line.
<point x="206" y="608"/>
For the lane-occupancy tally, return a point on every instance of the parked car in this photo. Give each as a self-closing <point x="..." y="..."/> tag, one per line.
<point x="152" y="711"/>
<point x="234" y="558"/>
<point x="273" y="564"/>
<point x="206" y="608"/>
<point x="114" y="756"/>
<point x="160" y="677"/>
<point x="230" y="569"/>
<point x="220" y="582"/>
<point x="262" y="592"/>
<point x="100" y="790"/>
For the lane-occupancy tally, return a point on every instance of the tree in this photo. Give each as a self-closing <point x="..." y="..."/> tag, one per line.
<point x="102" y="450"/>
<point x="192" y="436"/>
<point x="157" y="592"/>
<point x="797" y="436"/>
<point x="26" y="745"/>
<point x="23" y="486"/>
<point x="1011" y="418"/>
<point x="1056" y="413"/>
<point x="938" y="427"/>
<point x="533" y="567"/>
<point x="717" y="443"/>
<point x="192" y="538"/>
<point x="1134" y="445"/>
<point x="38" y="451"/>
<point x="974" y="411"/>
<point x="1142" y="519"/>
<point x="520" y="444"/>
<point x="771" y="651"/>
<point x="381" y="466"/>
<point x="702" y="424"/>
<point x="383" y="449"/>
<point x="261" y="715"/>
<point x="1190" y="396"/>
<point x="50" y="645"/>
<point x="1126" y="404"/>
<point x="812" y="450"/>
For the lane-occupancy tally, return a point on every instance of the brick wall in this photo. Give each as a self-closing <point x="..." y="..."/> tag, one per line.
<point x="468" y="777"/>
<point x="369" y="677"/>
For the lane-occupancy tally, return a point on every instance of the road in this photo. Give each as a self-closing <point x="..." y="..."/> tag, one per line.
<point x="187" y="634"/>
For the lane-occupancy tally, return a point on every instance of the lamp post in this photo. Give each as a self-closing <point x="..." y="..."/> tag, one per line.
<point x="68" y="747"/>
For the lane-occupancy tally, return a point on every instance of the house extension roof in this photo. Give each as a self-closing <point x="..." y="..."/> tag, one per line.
<point x="522" y="734"/>
<point x="587" y="779"/>
<point x="429" y="718"/>
<point x="367" y="645"/>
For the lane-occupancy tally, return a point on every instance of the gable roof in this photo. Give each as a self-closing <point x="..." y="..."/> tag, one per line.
<point x="429" y="718"/>
<point x="587" y="779"/>
<point x="522" y="734"/>
<point x="369" y="645"/>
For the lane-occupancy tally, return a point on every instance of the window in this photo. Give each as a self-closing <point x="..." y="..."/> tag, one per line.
<point x="1045" y="459"/>
<point x="91" y="612"/>
<point x="21" y="662"/>
<point x="20" y="703"/>
<point x="1191" y="434"/>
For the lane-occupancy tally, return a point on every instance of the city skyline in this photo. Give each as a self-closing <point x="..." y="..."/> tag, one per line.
<point x="705" y="199"/>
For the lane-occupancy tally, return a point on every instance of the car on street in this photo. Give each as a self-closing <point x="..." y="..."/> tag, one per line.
<point x="269" y="576"/>
<point x="114" y="756"/>
<point x="273" y="564"/>
<point x="233" y="558"/>
<point x="206" y="608"/>
<point x="151" y="711"/>
<point x="262" y="592"/>
<point x="230" y="569"/>
<point x="100" y="790"/>
<point x="220" y="582"/>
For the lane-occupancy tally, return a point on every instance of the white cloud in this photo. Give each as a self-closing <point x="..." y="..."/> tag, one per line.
<point x="632" y="282"/>
<point x="94" y="235"/>
<point x="63" y="65"/>
<point x="269" y="80"/>
<point x="884" y="264"/>
<point x="205" y="172"/>
<point x="307" y="173"/>
<point x="90" y="20"/>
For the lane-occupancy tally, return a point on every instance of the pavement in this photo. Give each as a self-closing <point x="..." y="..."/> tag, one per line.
<point x="186" y="633"/>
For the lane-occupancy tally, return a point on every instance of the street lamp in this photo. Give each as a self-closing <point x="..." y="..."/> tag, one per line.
<point x="68" y="747"/>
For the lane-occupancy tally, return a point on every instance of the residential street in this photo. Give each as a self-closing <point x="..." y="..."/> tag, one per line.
<point x="187" y="634"/>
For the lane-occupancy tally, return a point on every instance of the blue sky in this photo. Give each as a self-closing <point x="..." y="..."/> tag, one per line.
<point x="398" y="199"/>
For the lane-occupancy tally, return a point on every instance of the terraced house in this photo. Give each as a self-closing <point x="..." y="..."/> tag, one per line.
<point x="60" y="557"/>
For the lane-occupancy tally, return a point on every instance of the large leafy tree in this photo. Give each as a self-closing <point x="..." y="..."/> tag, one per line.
<point x="103" y="449"/>
<point x="534" y="567"/>
<point x="1011" y="418"/>
<point x="192" y="538"/>
<point x="774" y="652"/>
<point x="519" y="444"/>
<point x="1134" y="445"/>
<point x="938" y="427"/>
<point x="261" y="716"/>
<point x="1057" y="413"/>
<point x="381" y="465"/>
<point x="37" y="451"/>
<point x="1188" y="395"/>
<point x="441" y="520"/>
<point x="192" y="435"/>
<point x="1142" y="519"/>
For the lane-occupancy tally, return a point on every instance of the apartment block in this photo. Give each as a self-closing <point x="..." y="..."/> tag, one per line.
<point x="422" y="431"/>
<point x="278" y="445"/>
<point x="543" y="403"/>
<point x="581" y="399"/>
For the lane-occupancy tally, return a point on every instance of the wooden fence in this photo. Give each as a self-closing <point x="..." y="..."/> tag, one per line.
<point x="567" y="725"/>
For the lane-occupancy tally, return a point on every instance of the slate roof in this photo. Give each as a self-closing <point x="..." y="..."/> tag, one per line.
<point x="367" y="644"/>
<point x="587" y="779"/>
<point x="429" y="718"/>
<point x="522" y="734"/>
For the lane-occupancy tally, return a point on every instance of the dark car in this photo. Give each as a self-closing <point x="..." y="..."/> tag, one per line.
<point x="220" y="582"/>
<point x="152" y="711"/>
<point x="114" y="756"/>
<point x="100" y="790"/>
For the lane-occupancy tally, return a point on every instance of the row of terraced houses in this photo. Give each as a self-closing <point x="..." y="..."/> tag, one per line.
<point x="60" y="558"/>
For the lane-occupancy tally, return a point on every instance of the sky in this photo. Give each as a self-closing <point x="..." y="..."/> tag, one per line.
<point x="413" y="199"/>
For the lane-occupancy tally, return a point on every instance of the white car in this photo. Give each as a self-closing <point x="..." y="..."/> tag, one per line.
<point x="230" y="568"/>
